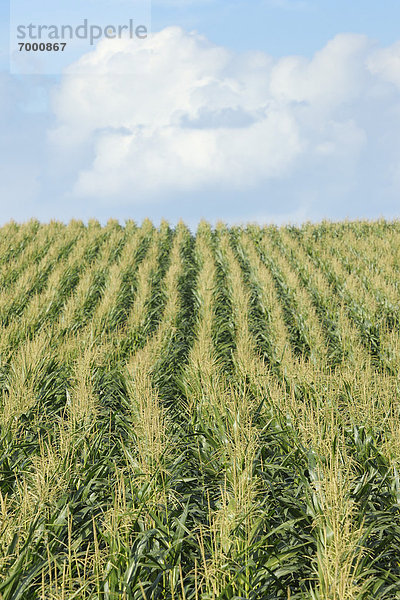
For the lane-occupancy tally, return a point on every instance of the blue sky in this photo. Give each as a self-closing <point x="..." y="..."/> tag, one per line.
<point x="282" y="27"/>
<point x="266" y="110"/>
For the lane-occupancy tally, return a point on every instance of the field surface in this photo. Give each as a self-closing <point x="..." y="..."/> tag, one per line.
<point x="208" y="415"/>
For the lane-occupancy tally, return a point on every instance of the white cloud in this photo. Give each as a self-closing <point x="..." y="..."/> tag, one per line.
<point x="334" y="76"/>
<point x="183" y="116"/>
<point x="385" y="63"/>
<point x="178" y="114"/>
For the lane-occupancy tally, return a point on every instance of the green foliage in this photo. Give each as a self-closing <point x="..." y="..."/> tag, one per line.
<point x="316" y="444"/>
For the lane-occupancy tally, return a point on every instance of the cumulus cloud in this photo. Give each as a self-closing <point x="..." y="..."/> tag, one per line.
<point x="139" y="122"/>
<point x="385" y="63"/>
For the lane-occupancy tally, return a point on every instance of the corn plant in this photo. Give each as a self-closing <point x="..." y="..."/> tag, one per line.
<point x="199" y="416"/>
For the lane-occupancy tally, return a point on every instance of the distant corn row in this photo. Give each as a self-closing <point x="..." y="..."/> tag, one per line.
<point x="208" y="415"/>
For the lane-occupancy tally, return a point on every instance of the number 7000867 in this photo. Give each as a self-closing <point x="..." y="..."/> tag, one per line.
<point x="42" y="47"/>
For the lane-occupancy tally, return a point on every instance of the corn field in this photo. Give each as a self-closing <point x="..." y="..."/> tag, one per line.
<point x="199" y="416"/>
